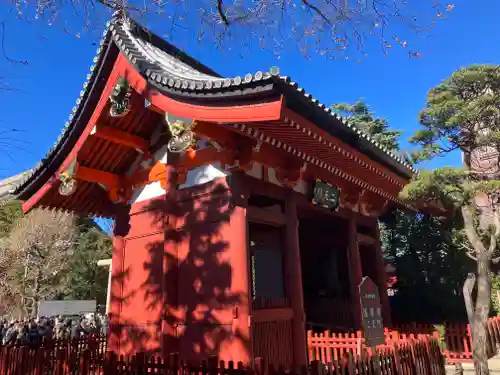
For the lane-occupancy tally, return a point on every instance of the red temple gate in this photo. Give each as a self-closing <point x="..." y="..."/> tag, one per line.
<point x="210" y="183"/>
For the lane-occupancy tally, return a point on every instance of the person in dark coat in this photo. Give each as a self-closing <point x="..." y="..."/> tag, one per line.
<point x="33" y="336"/>
<point x="22" y="334"/>
<point x="76" y="331"/>
<point x="10" y="335"/>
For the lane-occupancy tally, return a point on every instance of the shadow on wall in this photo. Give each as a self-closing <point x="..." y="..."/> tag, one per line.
<point x="175" y="291"/>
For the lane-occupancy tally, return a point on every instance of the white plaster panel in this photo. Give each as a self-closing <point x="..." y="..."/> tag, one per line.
<point x="271" y="173"/>
<point x="203" y="174"/>
<point x="162" y="154"/>
<point x="302" y="187"/>
<point x="256" y="171"/>
<point x="146" y="192"/>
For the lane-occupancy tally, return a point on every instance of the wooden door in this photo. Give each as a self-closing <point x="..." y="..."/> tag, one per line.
<point x="271" y="311"/>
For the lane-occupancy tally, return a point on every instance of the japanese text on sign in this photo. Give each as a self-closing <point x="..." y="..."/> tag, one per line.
<point x="371" y="313"/>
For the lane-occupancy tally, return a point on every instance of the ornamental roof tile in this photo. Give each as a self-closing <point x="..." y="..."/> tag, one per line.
<point x="175" y="73"/>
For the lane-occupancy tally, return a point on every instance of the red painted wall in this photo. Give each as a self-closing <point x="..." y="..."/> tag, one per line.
<point x="137" y="284"/>
<point x="180" y="280"/>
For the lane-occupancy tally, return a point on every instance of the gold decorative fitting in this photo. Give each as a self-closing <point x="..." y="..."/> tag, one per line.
<point x="68" y="183"/>
<point x="120" y="98"/>
<point x="182" y="135"/>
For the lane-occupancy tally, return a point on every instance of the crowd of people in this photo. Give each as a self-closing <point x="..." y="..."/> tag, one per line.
<point x="36" y="330"/>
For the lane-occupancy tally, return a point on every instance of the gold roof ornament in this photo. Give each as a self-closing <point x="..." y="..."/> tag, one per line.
<point x="68" y="182"/>
<point x="181" y="131"/>
<point x="120" y="98"/>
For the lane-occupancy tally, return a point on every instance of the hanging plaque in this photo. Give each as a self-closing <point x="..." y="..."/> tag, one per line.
<point x="326" y="195"/>
<point x="371" y="313"/>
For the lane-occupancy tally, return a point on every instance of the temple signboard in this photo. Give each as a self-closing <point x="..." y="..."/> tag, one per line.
<point x="325" y="195"/>
<point x="371" y="313"/>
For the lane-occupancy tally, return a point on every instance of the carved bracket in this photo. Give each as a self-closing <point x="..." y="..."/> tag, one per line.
<point x="241" y="158"/>
<point x="371" y="204"/>
<point x="349" y="198"/>
<point x="120" y="98"/>
<point x="288" y="177"/>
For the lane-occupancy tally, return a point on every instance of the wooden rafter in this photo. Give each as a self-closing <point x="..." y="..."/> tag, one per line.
<point x="97" y="176"/>
<point x="120" y="137"/>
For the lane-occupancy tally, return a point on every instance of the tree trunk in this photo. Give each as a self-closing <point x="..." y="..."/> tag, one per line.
<point x="36" y="293"/>
<point x="481" y="313"/>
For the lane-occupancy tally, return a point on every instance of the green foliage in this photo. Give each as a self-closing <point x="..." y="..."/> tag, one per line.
<point x="82" y="277"/>
<point x="446" y="185"/>
<point x="458" y="109"/>
<point x="86" y="279"/>
<point x="441" y="330"/>
<point x="9" y="213"/>
<point x="463" y="114"/>
<point x="429" y="272"/>
<point x="495" y="291"/>
<point x="360" y="115"/>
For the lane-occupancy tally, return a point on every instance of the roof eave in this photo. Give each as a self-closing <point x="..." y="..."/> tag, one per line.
<point x="78" y="120"/>
<point x="333" y="124"/>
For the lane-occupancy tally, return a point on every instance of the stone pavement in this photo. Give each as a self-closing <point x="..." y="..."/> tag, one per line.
<point x="493" y="364"/>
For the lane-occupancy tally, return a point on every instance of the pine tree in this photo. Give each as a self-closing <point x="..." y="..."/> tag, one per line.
<point x="463" y="114"/>
<point x="360" y="115"/>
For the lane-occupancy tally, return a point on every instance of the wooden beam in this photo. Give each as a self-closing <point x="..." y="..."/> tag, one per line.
<point x="120" y="137"/>
<point x="270" y="110"/>
<point x="366" y="240"/>
<point x="264" y="216"/>
<point x="266" y="315"/>
<point x="215" y="132"/>
<point x="96" y="176"/>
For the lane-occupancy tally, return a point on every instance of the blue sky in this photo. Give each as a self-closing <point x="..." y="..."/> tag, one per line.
<point x="394" y="85"/>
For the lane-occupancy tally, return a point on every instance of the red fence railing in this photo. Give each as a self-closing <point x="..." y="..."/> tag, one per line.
<point x="421" y="357"/>
<point x="326" y="347"/>
<point x="54" y="357"/>
<point x="457" y="340"/>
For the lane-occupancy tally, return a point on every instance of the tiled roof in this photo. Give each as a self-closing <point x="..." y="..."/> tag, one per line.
<point x="8" y="184"/>
<point x="176" y="74"/>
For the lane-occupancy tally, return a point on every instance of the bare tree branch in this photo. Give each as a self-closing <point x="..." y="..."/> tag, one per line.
<point x="5" y="55"/>
<point x="317" y="11"/>
<point x="222" y="15"/>
<point x="325" y="26"/>
<point x="469" y="228"/>
<point x="34" y="259"/>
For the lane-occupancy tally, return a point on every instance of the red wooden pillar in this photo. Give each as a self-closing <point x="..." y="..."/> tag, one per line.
<point x="170" y="268"/>
<point x="382" y="279"/>
<point x="120" y="231"/>
<point x="237" y="237"/>
<point x="355" y="270"/>
<point x="294" y="280"/>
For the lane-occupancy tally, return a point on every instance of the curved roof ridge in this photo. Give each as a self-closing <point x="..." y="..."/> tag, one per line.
<point x="174" y="72"/>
